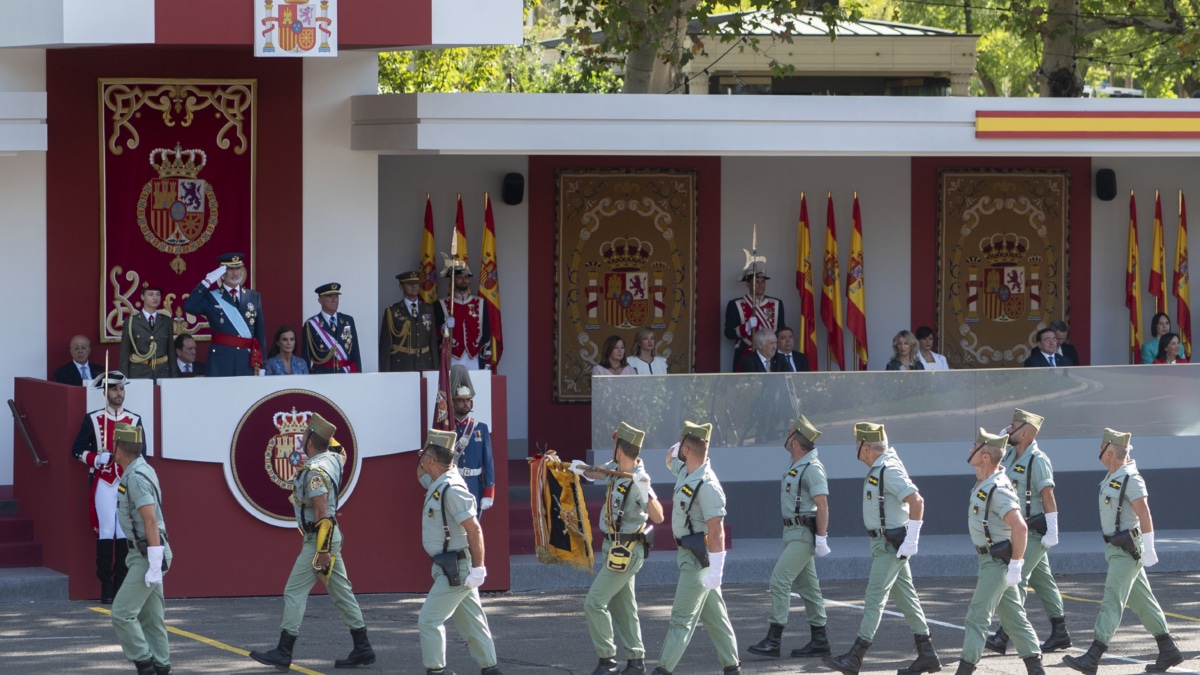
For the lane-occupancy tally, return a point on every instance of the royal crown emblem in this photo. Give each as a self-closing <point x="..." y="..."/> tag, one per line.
<point x="177" y="212"/>
<point x="1003" y="283"/>
<point x="285" y="451"/>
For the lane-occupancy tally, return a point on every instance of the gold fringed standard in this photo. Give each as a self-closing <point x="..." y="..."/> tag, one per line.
<point x="562" y="532"/>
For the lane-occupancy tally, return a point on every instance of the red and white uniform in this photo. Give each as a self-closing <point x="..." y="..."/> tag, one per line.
<point x="95" y="437"/>
<point x="470" y="328"/>
<point x="738" y="313"/>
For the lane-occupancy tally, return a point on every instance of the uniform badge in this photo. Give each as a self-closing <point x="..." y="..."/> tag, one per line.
<point x="1114" y="485"/>
<point x="622" y="489"/>
<point x="121" y="489"/>
<point x="316" y="483"/>
<point x="1019" y="469"/>
<point x="787" y="487"/>
<point x="686" y="490"/>
<point x="792" y="472"/>
<point x="429" y="513"/>
<point x="872" y="480"/>
<point x="437" y="495"/>
<point x="981" y="494"/>
<point x="868" y="495"/>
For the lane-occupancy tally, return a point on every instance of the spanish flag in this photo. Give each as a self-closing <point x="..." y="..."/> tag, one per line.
<point x="831" y="289"/>
<point x="1158" y="265"/>
<point x="804" y="284"/>
<point x="1133" y="290"/>
<point x="489" y="283"/>
<point x="459" y="250"/>
<point x="856" y="293"/>
<point x="429" y="290"/>
<point x="1179" y="283"/>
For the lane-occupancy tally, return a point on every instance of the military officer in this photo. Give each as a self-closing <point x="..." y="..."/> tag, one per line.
<point x="407" y="340"/>
<point x="330" y="338"/>
<point x="892" y="512"/>
<point x="1129" y="548"/>
<point x="612" y="600"/>
<point x="999" y="534"/>
<point x="751" y="313"/>
<point x="1032" y="476"/>
<point x="468" y="320"/>
<point x="697" y="520"/>
<point x="451" y="535"/>
<point x="137" y="611"/>
<point x="235" y="319"/>
<point x="316" y="497"/>
<point x="146" y="341"/>
<point x="804" y="504"/>
<point x="474" y="446"/>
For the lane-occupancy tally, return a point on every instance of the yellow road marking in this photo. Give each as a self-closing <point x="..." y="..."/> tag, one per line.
<point x="211" y="642"/>
<point x="1173" y="615"/>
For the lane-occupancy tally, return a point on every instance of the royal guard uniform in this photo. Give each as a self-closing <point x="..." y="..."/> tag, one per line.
<point x="147" y="345"/>
<point x="331" y="341"/>
<point x="474" y="444"/>
<point x="235" y="320"/>
<point x="767" y="314"/>
<point x="471" y="334"/>
<point x="407" y="340"/>
<point x="94" y="446"/>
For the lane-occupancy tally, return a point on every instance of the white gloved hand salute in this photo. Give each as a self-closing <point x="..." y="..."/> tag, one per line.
<point x="822" y="546"/>
<point x="1050" y="539"/>
<point x="673" y="452"/>
<point x="716" y="570"/>
<point x="154" y="555"/>
<point x="1149" y="555"/>
<point x="641" y="481"/>
<point x="909" y="548"/>
<point x="476" y="578"/>
<point x="1013" y="576"/>
<point x="215" y="275"/>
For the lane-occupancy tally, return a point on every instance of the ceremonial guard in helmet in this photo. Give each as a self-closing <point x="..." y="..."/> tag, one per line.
<point x="469" y="329"/>
<point x="474" y="446"/>
<point x="407" y="340"/>
<point x="330" y="338"/>
<point x="235" y="319"/>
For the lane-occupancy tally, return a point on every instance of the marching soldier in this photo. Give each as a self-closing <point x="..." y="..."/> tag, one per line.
<point x="407" y="340"/>
<point x="1032" y="476"/>
<point x="146" y="341"/>
<point x="468" y="320"/>
<point x="804" y="501"/>
<point x="330" y="338"/>
<point x="137" y="611"/>
<point x="892" y="512"/>
<point x="315" y="497"/>
<point x="451" y="535"/>
<point x="235" y="318"/>
<point x="474" y="446"/>
<point x="999" y="534"/>
<point x="751" y="313"/>
<point x="697" y="520"/>
<point x="612" y="601"/>
<point x="1129" y="537"/>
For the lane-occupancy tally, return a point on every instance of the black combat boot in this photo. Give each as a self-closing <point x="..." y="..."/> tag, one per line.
<point x="998" y="642"/>
<point x="661" y="671"/>
<point x="1168" y="654"/>
<point x="1033" y="665"/>
<point x="491" y="670"/>
<point x="769" y="646"/>
<point x="606" y="667"/>
<point x="120" y="569"/>
<point x="851" y="661"/>
<point x="732" y="670"/>
<point x="965" y="668"/>
<point x="162" y="670"/>
<point x="817" y="646"/>
<point x="361" y="655"/>
<point x="104" y="571"/>
<point x="145" y="667"/>
<point x="281" y="656"/>
<point x="1059" y="637"/>
<point x="927" y="658"/>
<point x="439" y="671"/>
<point x="1090" y="661"/>
<point x="634" y="667"/>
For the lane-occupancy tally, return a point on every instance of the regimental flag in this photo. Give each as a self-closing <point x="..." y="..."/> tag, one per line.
<point x="429" y="290"/>
<point x="804" y="284"/>
<point x="460" y="237"/>
<point x="1158" y="264"/>
<point x="1180" y="284"/>
<point x="443" y="413"/>
<point x="856" y="292"/>
<point x="831" y="289"/>
<point x="489" y="283"/>
<point x="1133" y="289"/>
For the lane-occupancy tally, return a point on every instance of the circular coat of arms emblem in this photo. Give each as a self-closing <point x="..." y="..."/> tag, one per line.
<point x="177" y="212"/>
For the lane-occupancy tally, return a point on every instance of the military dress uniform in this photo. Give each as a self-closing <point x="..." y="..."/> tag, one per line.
<point x="235" y="321"/>
<point x="148" y="349"/>
<point x="407" y="339"/>
<point x="475" y="463"/>
<point x="738" y="313"/>
<point x="471" y="332"/>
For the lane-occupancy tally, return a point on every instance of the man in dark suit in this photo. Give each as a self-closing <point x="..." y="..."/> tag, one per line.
<point x="790" y="360"/>
<point x="78" y="371"/>
<point x="146" y="340"/>
<point x="235" y="319"/>
<point x="185" y="357"/>
<point x="330" y="339"/>
<point x="1062" y="331"/>
<point x="1046" y="356"/>
<point x="764" y="357"/>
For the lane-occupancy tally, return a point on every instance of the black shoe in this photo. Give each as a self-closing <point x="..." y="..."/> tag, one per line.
<point x="817" y="646"/>
<point x="144" y="667"/>
<point x="1168" y="654"/>
<point x="998" y="642"/>
<point x="1059" y="637"/>
<point x="1033" y="665"/>
<point x="768" y="646"/>
<point x="634" y="667"/>
<point x="732" y="670"/>
<point x="490" y="670"/>
<point x="661" y="671"/>
<point x="439" y="671"/>
<point x="965" y="668"/>
<point x="927" y="658"/>
<point x="281" y="656"/>
<point x="162" y="670"/>
<point x="850" y="662"/>
<point x="1090" y="661"/>
<point x="361" y="655"/>
<point x="606" y="667"/>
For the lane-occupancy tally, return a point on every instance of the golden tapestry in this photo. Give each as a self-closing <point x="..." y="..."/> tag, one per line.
<point x="1002" y="262"/>
<point x="625" y="259"/>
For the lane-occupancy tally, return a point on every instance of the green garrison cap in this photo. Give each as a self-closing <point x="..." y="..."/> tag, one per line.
<point x="319" y="426"/>
<point x="701" y="431"/>
<point x="806" y="429"/>
<point x="1117" y="437"/>
<point x="1029" y="418"/>
<point x="869" y="432"/>
<point x="630" y="435"/>
<point x="127" y="433"/>
<point x="984" y="438"/>
<point x="441" y="439"/>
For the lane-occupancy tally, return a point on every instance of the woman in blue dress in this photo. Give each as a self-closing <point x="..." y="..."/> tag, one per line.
<point x="282" y="359"/>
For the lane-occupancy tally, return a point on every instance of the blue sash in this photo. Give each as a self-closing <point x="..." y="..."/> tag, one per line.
<point x="234" y="316"/>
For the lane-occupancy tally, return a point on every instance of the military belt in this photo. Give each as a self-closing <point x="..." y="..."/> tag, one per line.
<point x="311" y="528"/>
<point x="468" y="473"/>
<point x="460" y="554"/>
<point x="146" y="360"/>
<point x="806" y="521"/>
<point x="412" y="352"/>
<point x="1136" y="532"/>
<point x="624" y="538"/>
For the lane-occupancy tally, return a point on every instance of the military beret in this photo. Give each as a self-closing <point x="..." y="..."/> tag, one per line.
<point x="1029" y="418"/>
<point x="700" y="431"/>
<point x="408" y="277"/>
<point x="127" y="433"/>
<point x="806" y="429"/>
<point x="332" y="288"/>
<point x="984" y="438"/>
<point x="441" y="439"/>
<point x="869" y="432"/>
<point x="319" y="426"/>
<point x="630" y="435"/>
<point x="113" y="378"/>
<point x="232" y="260"/>
<point x="749" y="274"/>
<point x="1117" y="437"/>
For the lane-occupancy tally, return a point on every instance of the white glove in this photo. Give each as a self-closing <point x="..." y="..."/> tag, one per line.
<point x="215" y="275"/>
<point x="486" y="503"/>
<point x="673" y="452"/>
<point x="823" y="546"/>
<point x="578" y="466"/>
<point x="450" y="322"/>
<point x="752" y="322"/>
<point x="1149" y="555"/>
<point x="909" y="548"/>
<point x="716" y="570"/>
<point x="1013" y="576"/>
<point x="1050" y="539"/>
<point x="101" y="459"/>
<point x="154" y="554"/>
<point x="641" y="481"/>
<point x="476" y="577"/>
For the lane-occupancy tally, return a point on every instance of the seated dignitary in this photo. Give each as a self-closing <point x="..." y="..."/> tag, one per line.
<point x="790" y="360"/>
<point x="613" y="361"/>
<point x="804" y="503"/>
<point x="330" y="339"/>
<point x="1160" y="324"/>
<point x="1062" y="331"/>
<point x="761" y="359"/>
<point x="474" y="447"/>
<point x="235" y="318"/>
<point x="451" y="535"/>
<point x="751" y="313"/>
<point x="185" y="357"/>
<point x="1046" y="353"/>
<point x="1170" y="351"/>
<point x="78" y="371"/>
<point x="282" y="359"/>
<point x="930" y="360"/>
<point x="146" y="340"/>
<point x="905" y="353"/>
<point x="644" y="360"/>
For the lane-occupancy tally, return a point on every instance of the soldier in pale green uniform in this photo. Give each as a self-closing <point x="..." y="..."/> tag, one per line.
<point x="892" y="512"/>
<point x="1129" y="547"/>
<point x="316" y="499"/>
<point x="137" y="611"/>
<point x="999" y="534"/>
<point x="451" y="535"/>
<point x="697" y="520"/>
<point x="804" y="504"/>
<point x="612" y="600"/>
<point x="1032" y="476"/>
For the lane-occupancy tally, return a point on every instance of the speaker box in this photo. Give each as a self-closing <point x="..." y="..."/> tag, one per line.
<point x="513" y="190"/>
<point x="1106" y="185"/>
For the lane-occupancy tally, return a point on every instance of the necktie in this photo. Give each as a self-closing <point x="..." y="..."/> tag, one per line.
<point x="151" y="321"/>
<point x="234" y="293"/>
<point x="85" y="373"/>
<point x="412" y="308"/>
<point x="791" y="366"/>
<point x="187" y="368"/>
<point x="1051" y="360"/>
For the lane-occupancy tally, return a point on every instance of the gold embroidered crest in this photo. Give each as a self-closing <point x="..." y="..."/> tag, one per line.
<point x="315" y="483"/>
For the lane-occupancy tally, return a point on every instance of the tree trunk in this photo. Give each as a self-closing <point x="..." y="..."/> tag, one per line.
<point x="1060" y="76"/>
<point x="989" y="87"/>
<point x="639" y="62"/>
<point x="646" y="69"/>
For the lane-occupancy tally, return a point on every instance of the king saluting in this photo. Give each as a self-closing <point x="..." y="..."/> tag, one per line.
<point x="234" y="316"/>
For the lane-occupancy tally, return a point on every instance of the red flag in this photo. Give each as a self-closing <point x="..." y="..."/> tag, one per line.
<point x="831" y="289"/>
<point x="489" y="283"/>
<point x="429" y="290"/>
<point x="804" y="284"/>
<point x="1158" y="265"/>
<point x="1180" y="283"/>
<point x="856" y="292"/>
<point x="443" y="415"/>
<point x="1133" y="289"/>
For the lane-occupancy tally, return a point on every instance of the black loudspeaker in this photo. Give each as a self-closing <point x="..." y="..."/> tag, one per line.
<point x="1106" y="185"/>
<point x="514" y="189"/>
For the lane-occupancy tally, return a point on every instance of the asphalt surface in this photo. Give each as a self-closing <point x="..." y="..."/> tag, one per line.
<point x="545" y="632"/>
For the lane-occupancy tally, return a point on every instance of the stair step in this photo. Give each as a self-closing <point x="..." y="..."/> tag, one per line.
<point x="15" y="529"/>
<point x="32" y="584"/>
<point x="20" y="554"/>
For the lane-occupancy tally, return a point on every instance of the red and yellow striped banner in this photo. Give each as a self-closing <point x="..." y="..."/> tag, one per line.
<point x="1107" y="124"/>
